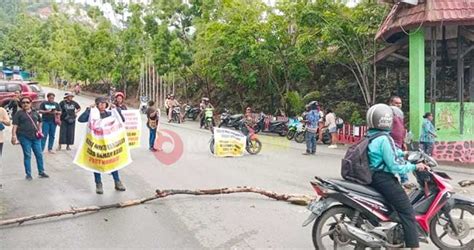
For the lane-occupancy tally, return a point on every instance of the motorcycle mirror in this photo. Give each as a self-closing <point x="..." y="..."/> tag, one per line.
<point x="414" y="156"/>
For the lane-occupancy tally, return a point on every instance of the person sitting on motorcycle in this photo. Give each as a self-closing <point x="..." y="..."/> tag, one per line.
<point x="386" y="161"/>
<point x="203" y="106"/>
<point x="119" y="96"/>
<point x="248" y="120"/>
<point x="171" y="104"/>
<point x="167" y="107"/>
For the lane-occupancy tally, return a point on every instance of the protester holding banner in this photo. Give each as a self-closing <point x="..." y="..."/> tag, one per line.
<point x="119" y="96"/>
<point x="27" y="130"/>
<point x="102" y="105"/>
<point x="153" y="117"/>
<point x="69" y="110"/>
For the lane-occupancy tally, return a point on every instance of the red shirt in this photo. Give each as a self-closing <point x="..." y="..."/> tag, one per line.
<point x="398" y="127"/>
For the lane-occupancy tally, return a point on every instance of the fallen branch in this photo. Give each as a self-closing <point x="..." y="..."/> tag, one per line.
<point x="292" y="198"/>
<point x="466" y="183"/>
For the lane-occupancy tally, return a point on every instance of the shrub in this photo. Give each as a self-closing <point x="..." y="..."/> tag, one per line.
<point x="311" y="96"/>
<point x="294" y="102"/>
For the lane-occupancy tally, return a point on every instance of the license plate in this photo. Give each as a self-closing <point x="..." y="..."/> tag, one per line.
<point x="317" y="208"/>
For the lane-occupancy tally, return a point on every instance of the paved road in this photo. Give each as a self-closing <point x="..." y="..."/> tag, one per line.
<point x="227" y="221"/>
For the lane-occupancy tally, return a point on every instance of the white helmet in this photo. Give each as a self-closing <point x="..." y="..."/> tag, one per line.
<point x="380" y="116"/>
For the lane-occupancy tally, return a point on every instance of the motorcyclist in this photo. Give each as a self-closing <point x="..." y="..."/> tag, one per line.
<point x="203" y="106"/>
<point x="172" y="102"/>
<point x="386" y="161"/>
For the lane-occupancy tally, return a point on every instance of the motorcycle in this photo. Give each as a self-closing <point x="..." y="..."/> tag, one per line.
<point x="230" y="121"/>
<point x="176" y="114"/>
<point x="143" y="104"/>
<point x="191" y="112"/>
<point x="362" y="218"/>
<point x="277" y="127"/>
<point x="300" y="136"/>
<point x="253" y="144"/>
<point x="294" y="125"/>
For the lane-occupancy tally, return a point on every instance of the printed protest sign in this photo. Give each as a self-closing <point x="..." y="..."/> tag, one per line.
<point x="133" y="126"/>
<point x="105" y="147"/>
<point x="228" y="142"/>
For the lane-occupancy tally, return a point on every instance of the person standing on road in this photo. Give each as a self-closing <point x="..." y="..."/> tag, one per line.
<point x="153" y="118"/>
<point x="27" y="130"/>
<point x="119" y="98"/>
<point x="101" y="104"/>
<point x="332" y="126"/>
<point x="398" y="132"/>
<point x="14" y="103"/>
<point x="49" y="110"/>
<point x="4" y="121"/>
<point x="69" y="110"/>
<point x="385" y="161"/>
<point x="311" y="120"/>
<point x="428" y="134"/>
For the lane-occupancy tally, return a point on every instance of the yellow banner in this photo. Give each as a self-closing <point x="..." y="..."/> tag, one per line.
<point x="133" y="126"/>
<point x="105" y="148"/>
<point x="229" y="143"/>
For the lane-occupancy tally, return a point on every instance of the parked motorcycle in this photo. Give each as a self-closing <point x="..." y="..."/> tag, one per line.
<point x="294" y="125"/>
<point x="277" y="127"/>
<point x="176" y="114"/>
<point x="143" y="104"/>
<point x="300" y="136"/>
<point x="357" y="216"/>
<point x="253" y="144"/>
<point x="191" y="112"/>
<point x="230" y="121"/>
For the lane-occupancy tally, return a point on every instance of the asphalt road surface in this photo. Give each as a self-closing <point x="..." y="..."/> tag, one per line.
<point x="204" y="222"/>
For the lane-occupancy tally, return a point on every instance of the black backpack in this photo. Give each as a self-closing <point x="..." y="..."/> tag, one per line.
<point x="355" y="164"/>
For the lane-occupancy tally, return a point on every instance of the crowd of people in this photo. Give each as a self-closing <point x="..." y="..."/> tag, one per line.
<point x="35" y="130"/>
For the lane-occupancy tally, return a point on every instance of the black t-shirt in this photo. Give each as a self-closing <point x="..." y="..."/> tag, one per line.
<point x="25" y="125"/>
<point x="49" y="106"/>
<point x="14" y="104"/>
<point x="68" y="109"/>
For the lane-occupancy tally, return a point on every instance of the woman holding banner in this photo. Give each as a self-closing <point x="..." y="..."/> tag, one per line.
<point x="102" y="105"/>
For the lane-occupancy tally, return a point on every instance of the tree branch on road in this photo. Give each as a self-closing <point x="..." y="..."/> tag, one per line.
<point x="297" y="199"/>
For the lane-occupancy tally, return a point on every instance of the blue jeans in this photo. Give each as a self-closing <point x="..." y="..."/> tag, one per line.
<point x="427" y="147"/>
<point x="49" y="130"/>
<point x="152" y="137"/>
<point x="310" y="142"/>
<point x="98" y="178"/>
<point x="31" y="144"/>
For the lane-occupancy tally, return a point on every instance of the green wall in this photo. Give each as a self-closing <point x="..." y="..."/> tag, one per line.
<point x="447" y="121"/>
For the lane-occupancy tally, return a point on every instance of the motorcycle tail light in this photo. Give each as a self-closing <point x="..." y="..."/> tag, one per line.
<point x="321" y="192"/>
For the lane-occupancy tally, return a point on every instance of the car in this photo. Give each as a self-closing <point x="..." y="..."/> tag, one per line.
<point x="37" y="88"/>
<point x="8" y="89"/>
